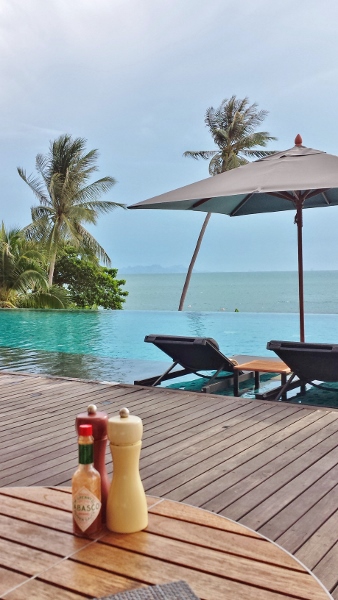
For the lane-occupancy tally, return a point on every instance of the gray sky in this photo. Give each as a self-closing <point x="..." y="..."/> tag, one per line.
<point x="135" y="77"/>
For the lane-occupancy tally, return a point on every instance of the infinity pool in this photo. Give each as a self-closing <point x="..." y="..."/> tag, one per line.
<point x="109" y="346"/>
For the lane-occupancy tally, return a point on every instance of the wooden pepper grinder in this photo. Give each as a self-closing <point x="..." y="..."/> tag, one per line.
<point x="127" y="510"/>
<point x="98" y="420"/>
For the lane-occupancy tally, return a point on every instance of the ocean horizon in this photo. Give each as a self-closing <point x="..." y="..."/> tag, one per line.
<point x="251" y="291"/>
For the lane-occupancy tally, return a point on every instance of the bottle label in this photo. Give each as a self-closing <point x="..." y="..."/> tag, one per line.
<point x="86" y="507"/>
<point x="86" y="454"/>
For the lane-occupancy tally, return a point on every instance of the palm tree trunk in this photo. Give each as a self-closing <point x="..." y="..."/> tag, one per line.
<point x="51" y="269"/>
<point x="193" y="260"/>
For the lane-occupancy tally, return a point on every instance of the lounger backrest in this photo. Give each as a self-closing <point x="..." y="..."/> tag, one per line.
<point x="309" y="361"/>
<point x="196" y="354"/>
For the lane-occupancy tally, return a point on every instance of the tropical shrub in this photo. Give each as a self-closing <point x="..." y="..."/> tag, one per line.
<point x="89" y="285"/>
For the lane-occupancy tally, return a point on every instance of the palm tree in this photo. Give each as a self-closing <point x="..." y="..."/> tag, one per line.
<point x="67" y="199"/>
<point x="23" y="280"/>
<point x="232" y="126"/>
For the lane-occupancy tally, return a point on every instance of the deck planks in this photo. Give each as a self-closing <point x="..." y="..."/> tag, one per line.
<point x="270" y="466"/>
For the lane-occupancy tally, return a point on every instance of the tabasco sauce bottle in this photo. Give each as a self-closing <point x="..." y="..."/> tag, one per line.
<point x="86" y="487"/>
<point x="98" y="420"/>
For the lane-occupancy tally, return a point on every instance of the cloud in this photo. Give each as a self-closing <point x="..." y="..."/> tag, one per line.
<point x="134" y="77"/>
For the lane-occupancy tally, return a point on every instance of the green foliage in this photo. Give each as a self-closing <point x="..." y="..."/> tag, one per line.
<point x="53" y="298"/>
<point x="19" y="262"/>
<point x="23" y="281"/>
<point x="232" y="126"/>
<point x="89" y="284"/>
<point x="67" y="199"/>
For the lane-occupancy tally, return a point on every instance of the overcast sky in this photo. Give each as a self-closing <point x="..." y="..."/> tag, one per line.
<point x="135" y="77"/>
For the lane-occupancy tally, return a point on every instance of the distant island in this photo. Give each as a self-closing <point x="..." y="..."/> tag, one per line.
<point x="158" y="269"/>
<point x="151" y="269"/>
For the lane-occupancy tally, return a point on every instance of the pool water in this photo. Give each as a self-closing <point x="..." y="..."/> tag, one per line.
<point x="109" y="345"/>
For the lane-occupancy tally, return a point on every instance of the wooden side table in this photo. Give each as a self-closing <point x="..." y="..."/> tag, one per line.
<point x="258" y="366"/>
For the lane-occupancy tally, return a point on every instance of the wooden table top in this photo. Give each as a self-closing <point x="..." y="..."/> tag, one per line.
<point x="40" y="557"/>
<point x="264" y="366"/>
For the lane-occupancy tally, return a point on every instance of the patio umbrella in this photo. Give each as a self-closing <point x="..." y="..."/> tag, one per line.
<point x="295" y="179"/>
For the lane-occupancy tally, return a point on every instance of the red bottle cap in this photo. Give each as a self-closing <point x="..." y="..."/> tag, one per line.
<point x="85" y="430"/>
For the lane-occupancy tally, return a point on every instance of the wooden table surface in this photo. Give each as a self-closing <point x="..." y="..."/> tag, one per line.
<point x="264" y="365"/>
<point x="40" y="558"/>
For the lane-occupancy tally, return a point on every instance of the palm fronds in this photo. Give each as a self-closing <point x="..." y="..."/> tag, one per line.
<point x="21" y="267"/>
<point x="67" y="197"/>
<point x="233" y="128"/>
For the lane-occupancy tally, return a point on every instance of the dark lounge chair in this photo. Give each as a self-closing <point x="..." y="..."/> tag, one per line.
<point x="195" y="355"/>
<point x="308" y="362"/>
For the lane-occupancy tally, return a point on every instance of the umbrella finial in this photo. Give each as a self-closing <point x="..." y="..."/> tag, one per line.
<point x="298" y="140"/>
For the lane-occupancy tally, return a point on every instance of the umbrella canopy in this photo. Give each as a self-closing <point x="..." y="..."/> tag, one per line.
<point x="291" y="180"/>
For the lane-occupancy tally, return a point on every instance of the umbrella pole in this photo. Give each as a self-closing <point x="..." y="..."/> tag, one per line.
<point x="299" y="221"/>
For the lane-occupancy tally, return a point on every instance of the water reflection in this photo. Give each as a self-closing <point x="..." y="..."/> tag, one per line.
<point x="109" y="345"/>
<point x="55" y="330"/>
<point x="196" y="324"/>
<point x="82" y="366"/>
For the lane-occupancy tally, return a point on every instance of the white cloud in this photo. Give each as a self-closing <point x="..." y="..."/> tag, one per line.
<point x="135" y="77"/>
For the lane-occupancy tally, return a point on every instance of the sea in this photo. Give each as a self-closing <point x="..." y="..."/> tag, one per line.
<point x="254" y="292"/>
<point x="242" y="311"/>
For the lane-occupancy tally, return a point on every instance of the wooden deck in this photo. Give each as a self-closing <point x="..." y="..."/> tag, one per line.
<point x="271" y="466"/>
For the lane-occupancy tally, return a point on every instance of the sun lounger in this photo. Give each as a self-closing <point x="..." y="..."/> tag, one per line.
<point x="195" y="355"/>
<point x="308" y="362"/>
